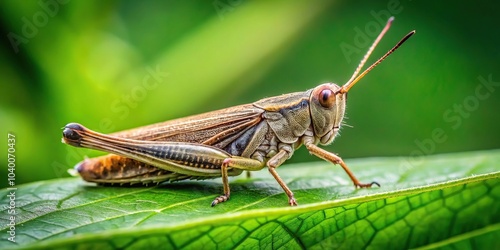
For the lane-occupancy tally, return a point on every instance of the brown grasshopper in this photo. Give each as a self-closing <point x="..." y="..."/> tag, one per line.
<point x="225" y="142"/>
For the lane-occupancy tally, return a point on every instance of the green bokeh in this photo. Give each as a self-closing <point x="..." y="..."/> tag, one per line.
<point x="78" y="61"/>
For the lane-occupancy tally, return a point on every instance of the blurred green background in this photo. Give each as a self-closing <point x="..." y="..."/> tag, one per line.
<point x="114" y="65"/>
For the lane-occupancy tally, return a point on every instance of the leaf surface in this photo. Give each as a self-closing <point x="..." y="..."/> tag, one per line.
<point x="442" y="201"/>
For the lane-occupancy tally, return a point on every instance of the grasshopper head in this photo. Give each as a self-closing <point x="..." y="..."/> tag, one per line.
<point x="327" y="105"/>
<point x="327" y="101"/>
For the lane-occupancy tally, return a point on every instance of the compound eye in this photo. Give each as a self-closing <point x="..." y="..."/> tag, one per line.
<point x="326" y="98"/>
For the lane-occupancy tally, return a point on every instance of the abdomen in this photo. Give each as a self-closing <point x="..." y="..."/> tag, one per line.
<point x="121" y="170"/>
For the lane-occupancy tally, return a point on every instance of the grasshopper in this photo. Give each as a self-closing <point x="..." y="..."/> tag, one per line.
<point x="226" y="142"/>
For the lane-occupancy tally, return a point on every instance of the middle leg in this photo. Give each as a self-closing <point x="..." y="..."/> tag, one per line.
<point x="239" y="163"/>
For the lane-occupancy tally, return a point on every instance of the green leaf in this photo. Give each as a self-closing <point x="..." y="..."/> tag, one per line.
<point x="442" y="201"/>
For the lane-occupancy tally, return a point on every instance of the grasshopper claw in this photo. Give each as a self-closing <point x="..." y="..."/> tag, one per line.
<point x="368" y="185"/>
<point x="220" y="199"/>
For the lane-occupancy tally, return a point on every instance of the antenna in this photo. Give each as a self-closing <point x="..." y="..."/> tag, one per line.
<point x="355" y="78"/>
